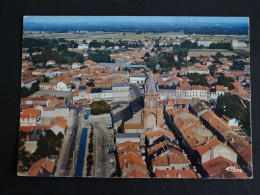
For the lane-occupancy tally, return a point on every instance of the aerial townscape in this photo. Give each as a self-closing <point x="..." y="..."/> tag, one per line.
<point x="135" y="97"/>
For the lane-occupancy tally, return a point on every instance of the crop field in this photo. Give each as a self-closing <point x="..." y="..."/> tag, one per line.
<point x="97" y="35"/>
<point x="209" y="52"/>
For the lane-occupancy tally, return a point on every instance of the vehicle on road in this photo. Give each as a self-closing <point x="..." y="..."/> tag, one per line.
<point x="109" y="126"/>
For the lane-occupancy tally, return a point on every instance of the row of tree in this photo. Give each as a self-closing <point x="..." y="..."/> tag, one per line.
<point x="59" y="57"/>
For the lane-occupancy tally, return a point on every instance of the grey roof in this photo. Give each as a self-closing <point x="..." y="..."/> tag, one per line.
<point x="198" y="107"/>
<point x="96" y="90"/>
<point x="173" y="87"/>
<point x="120" y="84"/>
<point x="127" y="135"/>
<point x="139" y="75"/>
<point x="151" y="89"/>
<point x="82" y="88"/>
<point x="106" y="89"/>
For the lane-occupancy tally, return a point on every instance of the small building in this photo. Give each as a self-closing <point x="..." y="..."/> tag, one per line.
<point x="123" y="137"/>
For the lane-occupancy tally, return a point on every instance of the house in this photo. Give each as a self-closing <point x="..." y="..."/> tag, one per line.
<point x="217" y="125"/>
<point x="28" y="82"/>
<point x="47" y="86"/>
<point x="222" y="167"/>
<point x="138" y="78"/>
<point x="214" y="149"/>
<point x="152" y="136"/>
<point x="123" y="137"/>
<point x="42" y="168"/>
<point x="51" y="62"/>
<point x="64" y="85"/>
<point x="76" y="65"/>
<point x="58" y="125"/>
<point x="175" y="174"/>
<point x="220" y="90"/>
<point x="30" y="117"/>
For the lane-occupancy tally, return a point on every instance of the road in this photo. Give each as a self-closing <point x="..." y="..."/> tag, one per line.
<point x="68" y="143"/>
<point x="136" y="90"/>
<point x="103" y="165"/>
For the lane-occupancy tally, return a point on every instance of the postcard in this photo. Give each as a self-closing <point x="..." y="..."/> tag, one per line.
<point x="135" y="97"/>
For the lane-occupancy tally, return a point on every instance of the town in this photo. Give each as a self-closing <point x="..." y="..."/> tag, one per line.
<point x="135" y="105"/>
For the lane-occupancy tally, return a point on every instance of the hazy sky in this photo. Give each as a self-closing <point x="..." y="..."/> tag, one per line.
<point x="174" y="19"/>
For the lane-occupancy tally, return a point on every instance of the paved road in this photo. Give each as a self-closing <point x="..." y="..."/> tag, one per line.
<point x="136" y="90"/>
<point x="102" y="136"/>
<point x="69" y="142"/>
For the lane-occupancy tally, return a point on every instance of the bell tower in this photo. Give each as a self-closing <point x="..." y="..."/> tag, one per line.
<point x="153" y="111"/>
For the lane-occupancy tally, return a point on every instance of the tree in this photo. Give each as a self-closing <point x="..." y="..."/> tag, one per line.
<point x="197" y="79"/>
<point x="25" y="92"/>
<point x="100" y="107"/>
<point x="46" y="79"/>
<point x="62" y="47"/>
<point x="146" y="55"/>
<point x="219" y="55"/>
<point x="234" y="107"/>
<point x="226" y="81"/>
<point x="238" y="65"/>
<point x="188" y="44"/>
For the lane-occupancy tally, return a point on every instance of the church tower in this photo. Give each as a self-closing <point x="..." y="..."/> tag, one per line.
<point x="153" y="111"/>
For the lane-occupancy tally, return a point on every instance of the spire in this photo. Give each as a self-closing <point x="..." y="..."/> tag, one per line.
<point x="151" y="86"/>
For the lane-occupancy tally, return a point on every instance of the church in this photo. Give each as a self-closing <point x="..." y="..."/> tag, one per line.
<point x="150" y="117"/>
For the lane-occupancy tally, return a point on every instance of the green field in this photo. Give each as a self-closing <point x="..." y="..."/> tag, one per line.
<point x="209" y="52"/>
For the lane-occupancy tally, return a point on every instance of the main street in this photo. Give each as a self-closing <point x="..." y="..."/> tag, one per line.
<point x="103" y="164"/>
<point x="69" y="142"/>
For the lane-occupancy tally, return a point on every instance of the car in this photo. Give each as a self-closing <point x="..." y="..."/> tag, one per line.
<point x="111" y="160"/>
<point x="70" y="133"/>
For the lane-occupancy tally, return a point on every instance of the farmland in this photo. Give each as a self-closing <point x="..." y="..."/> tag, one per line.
<point x="209" y="52"/>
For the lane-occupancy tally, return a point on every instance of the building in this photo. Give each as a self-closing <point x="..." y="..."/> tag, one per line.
<point x="153" y="109"/>
<point x="51" y="62"/>
<point x="42" y="168"/>
<point x="124" y="137"/>
<point x="204" y="43"/>
<point x="28" y="82"/>
<point x="121" y="91"/>
<point x="47" y="86"/>
<point x="138" y="78"/>
<point x="167" y="92"/>
<point x="30" y="117"/>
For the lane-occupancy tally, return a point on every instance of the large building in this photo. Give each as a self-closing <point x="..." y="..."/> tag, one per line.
<point x="121" y="91"/>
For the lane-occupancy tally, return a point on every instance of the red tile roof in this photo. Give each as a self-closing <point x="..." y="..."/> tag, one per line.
<point x="175" y="174"/>
<point x="36" y="167"/>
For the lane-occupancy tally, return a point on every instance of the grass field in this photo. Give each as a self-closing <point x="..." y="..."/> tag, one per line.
<point x="209" y="52"/>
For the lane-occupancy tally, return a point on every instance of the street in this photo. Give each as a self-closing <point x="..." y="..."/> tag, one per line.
<point x="68" y="144"/>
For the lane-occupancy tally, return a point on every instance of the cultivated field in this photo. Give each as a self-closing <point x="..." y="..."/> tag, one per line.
<point x="209" y="52"/>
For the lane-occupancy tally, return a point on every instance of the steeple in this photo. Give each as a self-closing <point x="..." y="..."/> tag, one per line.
<point x="151" y="89"/>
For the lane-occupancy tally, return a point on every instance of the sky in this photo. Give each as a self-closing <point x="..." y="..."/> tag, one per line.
<point x="146" y="19"/>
